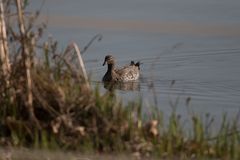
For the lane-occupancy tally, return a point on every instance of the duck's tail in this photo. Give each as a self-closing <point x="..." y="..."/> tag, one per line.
<point x="136" y="64"/>
<point x="132" y="63"/>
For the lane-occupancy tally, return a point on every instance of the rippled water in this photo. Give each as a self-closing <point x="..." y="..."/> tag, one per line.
<point x="188" y="48"/>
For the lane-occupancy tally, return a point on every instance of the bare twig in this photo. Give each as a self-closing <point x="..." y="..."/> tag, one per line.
<point x="98" y="37"/>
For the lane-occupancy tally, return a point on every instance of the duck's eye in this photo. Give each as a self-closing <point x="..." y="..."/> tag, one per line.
<point x="108" y="58"/>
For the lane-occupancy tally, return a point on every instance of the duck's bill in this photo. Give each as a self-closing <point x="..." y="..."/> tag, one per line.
<point x="104" y="63"/>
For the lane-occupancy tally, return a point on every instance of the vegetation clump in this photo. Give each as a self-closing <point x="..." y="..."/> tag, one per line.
<point x="47" y="102"/>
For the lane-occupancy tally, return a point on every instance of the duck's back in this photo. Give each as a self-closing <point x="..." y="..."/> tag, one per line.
<point x="128" y="73"/>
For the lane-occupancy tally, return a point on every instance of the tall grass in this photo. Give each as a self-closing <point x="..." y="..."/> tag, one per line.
<point x="48" y="104"/>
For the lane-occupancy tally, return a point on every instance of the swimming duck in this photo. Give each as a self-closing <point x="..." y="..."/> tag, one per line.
<point x="127" y="73"/>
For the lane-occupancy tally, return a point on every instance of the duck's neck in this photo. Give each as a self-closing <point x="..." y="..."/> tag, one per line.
<point x="110" y="67"/>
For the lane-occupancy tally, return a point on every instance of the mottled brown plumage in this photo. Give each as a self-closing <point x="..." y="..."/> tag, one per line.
<point x="124" y="74"/>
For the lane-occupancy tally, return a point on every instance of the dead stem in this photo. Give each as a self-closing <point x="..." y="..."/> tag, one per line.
<point x="82" y="67"/>
<point x="4" y="53"/>
<point x="27" y="62"/>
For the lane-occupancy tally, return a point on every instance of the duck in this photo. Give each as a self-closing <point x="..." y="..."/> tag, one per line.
<point x="127" y="73"/>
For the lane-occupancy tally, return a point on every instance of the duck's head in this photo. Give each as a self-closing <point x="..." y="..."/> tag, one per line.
<point x="109" y="60"/>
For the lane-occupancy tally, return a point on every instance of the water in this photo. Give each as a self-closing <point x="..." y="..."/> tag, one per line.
<point x="195" y="44"/>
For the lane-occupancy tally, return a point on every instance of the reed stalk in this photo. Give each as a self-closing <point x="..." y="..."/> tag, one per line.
<point x="4" y="52"/>
<point x="27" y="60"/>
<point x="82" y="66"/>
